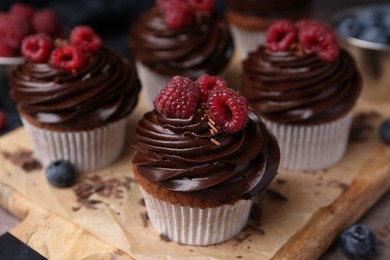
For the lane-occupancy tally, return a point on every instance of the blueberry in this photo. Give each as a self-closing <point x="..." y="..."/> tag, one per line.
<point x="370" y="15"/>
<point x="384" y="131"/>
<point x="374" y="34"/>
<point x="358" y="242"/>
<point x="60" y="173"/>
<point x="350" y="26"/>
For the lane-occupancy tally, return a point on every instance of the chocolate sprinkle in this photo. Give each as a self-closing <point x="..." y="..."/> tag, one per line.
<point x="275" y="195"/>
<point x="24" y="159"/>
<point x="111" y="188"/>
<point x="165" y="238"/>
<point x="145" y="218"/>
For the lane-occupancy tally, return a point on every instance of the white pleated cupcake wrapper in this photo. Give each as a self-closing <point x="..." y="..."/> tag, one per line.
<point x="195" y="226"/>
<point x="312" y="148"/>
<point x="152" y="82"/>
<point x="87" y="150"/>
<point x="247" y="40"/>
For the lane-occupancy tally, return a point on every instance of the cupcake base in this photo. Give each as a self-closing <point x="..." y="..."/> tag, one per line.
<point x="87" y="150"/>
<point x="312" y="148"/>
<point x="196" y="226"/>
<point x="152" y="83"/>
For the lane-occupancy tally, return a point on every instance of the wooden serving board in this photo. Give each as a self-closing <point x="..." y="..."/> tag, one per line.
<point x="301" y="224"/>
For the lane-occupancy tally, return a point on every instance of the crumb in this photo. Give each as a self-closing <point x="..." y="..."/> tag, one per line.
<point x="145" y="218"/>
<point x="275" y="195"/>
<point x="280" y="181"/>
<point x="243" y="238"/>
<point x="24" y="159"/>
<point x="256" y="228"/>
<point x="74" y="209"/>
<point x="165" y="238"/>
<point x="191" y="250"/>
<point x="238" y="256"/>
<point x="141" y="202"/>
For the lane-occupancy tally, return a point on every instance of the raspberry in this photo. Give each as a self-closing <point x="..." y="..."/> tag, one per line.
<point x="85" y="38"/>
<point x="280" y="36"/>
<point x="177" y="14"/>
<point x="3" y="120"/>
<point x="24" y="11"/>
<point x="6" y="50"/>
<point x="178" y="99"/>
<point x="13" y="29"/>
<point x="228" y="109"/>
<point x="37" y="47"/>
<point x="207" y="83"/>
<point x="201" y="5"/>
<point x="318" y="38"/>
<point x="67" y="58"/>
<point x="46" y="21"/>
<point x="302" y="23"/>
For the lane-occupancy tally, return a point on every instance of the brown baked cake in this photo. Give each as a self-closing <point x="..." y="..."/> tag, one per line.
<point x="201" y="156"/>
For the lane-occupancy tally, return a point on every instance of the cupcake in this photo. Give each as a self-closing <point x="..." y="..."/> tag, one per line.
<point x="304" y="87"/>
<point x="74" y="98"/>
<point x="200" y="159"/>
<point x="178" y="37"/>
<point x="250" y="19"/>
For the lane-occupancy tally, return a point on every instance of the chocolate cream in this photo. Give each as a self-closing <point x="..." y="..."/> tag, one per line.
<point x="105" y="90"/>
<point x="178" y="155"/>
<point x="204" y="47"/>
<point x="300" y="89"/>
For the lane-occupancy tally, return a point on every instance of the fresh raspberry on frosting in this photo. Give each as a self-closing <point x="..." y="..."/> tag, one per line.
<point x="320" y="39"/>
<point x="46" y="21"/>
<point x="178" y="99"/>
<point x="37" y="47"/>
<point x="67" y="58"/>
<point x="6" y="50"/>
<point x="85" y="38"/>
<point x="228" y="109"/>
<point x="207" y="83"/>
<point x="201" y="5"/>
<point x="281" y="36"/>
<point x="177" y="14"/>
<point x="22" y="10"/>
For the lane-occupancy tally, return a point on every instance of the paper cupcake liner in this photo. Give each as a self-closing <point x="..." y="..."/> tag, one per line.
<point x="88" y="150"/>
<point x="195" y="226"/>
<point x="312" y="148"/>
<point x="246" y="40"/>
<point x="151" y="82"/>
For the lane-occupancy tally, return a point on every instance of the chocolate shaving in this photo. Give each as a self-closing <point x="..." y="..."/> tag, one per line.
<point x="145" y="218"/>
<point x="239" y="256"/>
<point x="141" y="202"/>
<point x="255" y="228"/>
<point x="281" y="181"/>
<point x="275" y="195"/>
<point x="165" y="238"/>
<point x="24" y="159"/>
<point x="362" y="126"/>
<point x="111" y="188"/>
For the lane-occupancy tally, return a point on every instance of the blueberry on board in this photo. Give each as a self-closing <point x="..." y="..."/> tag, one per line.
<point x="384" y="131"/>
<point x="358" y="242"/>
<point x="60" y="173"/>
<point x="350" y="26"/>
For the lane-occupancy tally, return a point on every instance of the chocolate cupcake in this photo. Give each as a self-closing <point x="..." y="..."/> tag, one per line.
<point x="179" y="39"/>
<point x="250" y="19"/>
<point x="74" y="101"/>
<point x="305" y="88"/>
<point x="200" y="160"/>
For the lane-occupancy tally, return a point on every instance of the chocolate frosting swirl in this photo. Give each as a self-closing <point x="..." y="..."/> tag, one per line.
<point x="177" y="155"/>
<point x="268" y="8"/>
<point x="104" y="90"/>
<point x="204" y="47"/>
<point x="300" y="89"/>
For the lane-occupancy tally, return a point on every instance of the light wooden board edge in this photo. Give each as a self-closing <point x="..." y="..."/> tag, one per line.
<point x="51" y="235"/>
<point x="372" y="182"/>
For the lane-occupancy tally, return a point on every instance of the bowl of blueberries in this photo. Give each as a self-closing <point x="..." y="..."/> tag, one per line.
<point x="365" y="32"/>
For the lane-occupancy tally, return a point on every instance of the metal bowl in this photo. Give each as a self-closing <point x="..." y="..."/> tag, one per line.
<point x="373" y="59"/>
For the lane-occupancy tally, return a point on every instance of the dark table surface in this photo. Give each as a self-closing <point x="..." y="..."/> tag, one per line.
<point x="111" y="19"/>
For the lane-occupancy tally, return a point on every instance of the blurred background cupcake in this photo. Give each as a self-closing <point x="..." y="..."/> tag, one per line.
<point x="249" y="19"/>
<point x="178" y="37"/>
<point x="74" y="101"/>
<point x="305" y="88"/>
